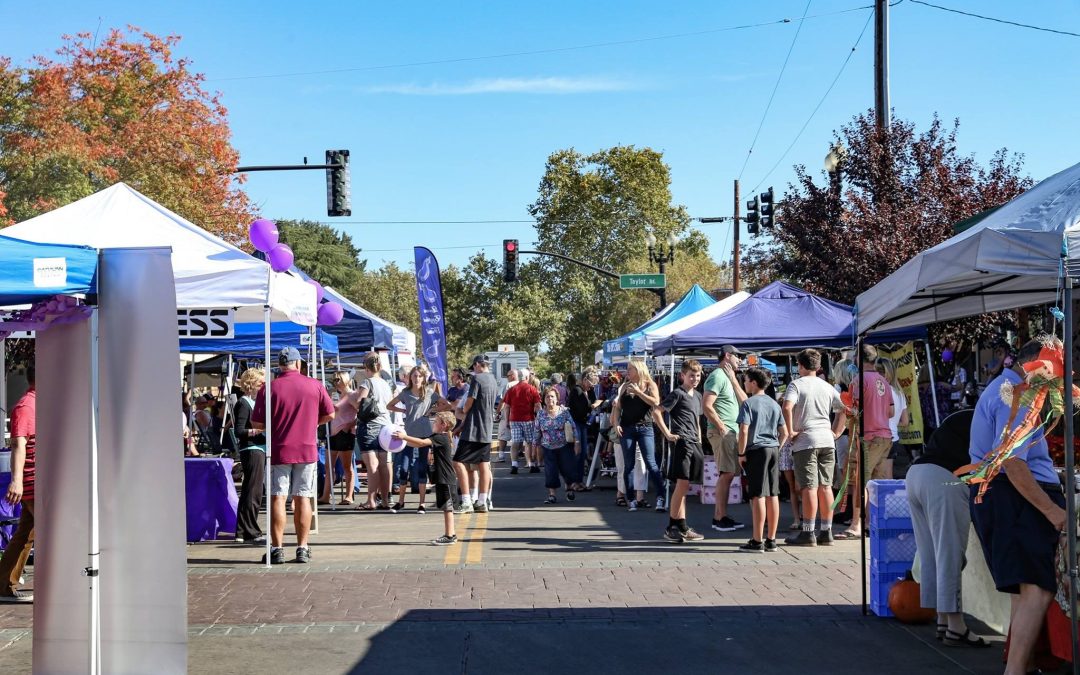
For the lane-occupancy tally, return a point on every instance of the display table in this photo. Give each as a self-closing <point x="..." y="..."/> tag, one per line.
<point x="211" y="498"/>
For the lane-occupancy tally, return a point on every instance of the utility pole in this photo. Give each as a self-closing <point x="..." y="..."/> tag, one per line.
<point x="735" y="244"/>
<point x="881" y="63"/>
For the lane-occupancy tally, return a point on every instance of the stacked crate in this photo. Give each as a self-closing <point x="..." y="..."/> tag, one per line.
<point x="892" y="540"/>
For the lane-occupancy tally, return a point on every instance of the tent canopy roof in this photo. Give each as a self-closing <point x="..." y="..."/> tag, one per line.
<point x="654" y="335"/>
<point x="778" y="317"/>
<point x="34" y="271"/>
<point x="209" y="272"/>
<point x="694" y="300"/>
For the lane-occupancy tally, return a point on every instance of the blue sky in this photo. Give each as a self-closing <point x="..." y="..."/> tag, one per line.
<point x="467" y="139"/>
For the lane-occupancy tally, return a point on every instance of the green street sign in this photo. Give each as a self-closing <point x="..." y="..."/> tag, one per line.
<point x="631" y="281"/>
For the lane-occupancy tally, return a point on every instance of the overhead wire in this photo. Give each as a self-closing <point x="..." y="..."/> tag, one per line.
<point x="997" y="20"/>
<point x="775" y="87"/>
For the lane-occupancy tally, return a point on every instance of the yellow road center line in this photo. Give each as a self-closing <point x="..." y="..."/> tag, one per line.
<point x="454" y="551"/>
<point x="475" y="551"/>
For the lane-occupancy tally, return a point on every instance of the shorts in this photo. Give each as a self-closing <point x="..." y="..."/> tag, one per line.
<point x="895" y="450"/>
<point x="787" y="463"/>
<point x="814" y="467"/>
<point x="292" y="480"/>
<point x="368" y="441"/>
<point x="523" y="432"/>
<point x="725" y="450"/>
<point x="687" y="462"/>
<point x="876" y="451"/>
<point x="472" y="452"/>
<point x="444" y="499"/>
<point x="762" y="472"/>
<point x="342" y="441"/>
<point x="504" y="428"/>
<point x="1019" y="543"/>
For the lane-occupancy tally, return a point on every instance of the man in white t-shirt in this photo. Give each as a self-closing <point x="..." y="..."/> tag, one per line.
<point x="808" y="402"/>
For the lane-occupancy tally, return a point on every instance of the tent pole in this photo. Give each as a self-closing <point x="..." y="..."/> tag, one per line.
<point x="267" y="431"/>
<point x="933" y="384"/>
<point x="313" y="372"/>
<point x="93" y="559"/>
<point x="3" y="383"/>
<point x="225" y="395"/>
<point x="861" y="464"/>
<point x="1070" y="470"/>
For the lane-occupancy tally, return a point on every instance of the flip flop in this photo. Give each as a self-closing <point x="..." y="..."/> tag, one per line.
<point x="848" y="535"/>
<point x="365" y="507"/>
<point x="344" y="502"/>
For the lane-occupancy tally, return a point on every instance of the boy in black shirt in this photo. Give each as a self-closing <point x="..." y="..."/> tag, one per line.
<point x="442" y="469"/>
<point x="687" y="459"/>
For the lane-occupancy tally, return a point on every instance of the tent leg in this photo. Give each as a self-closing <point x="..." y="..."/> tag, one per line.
<point x="3" y="383"/>
<point x="933" y="384"/>
<point x="267" y="473"/>
<point x="313" y="372"/>
<point x="1070" y="472"/>
<point x="861" y="483"/>
<point x="93" y="559"/>
<point x="595" y="460"/>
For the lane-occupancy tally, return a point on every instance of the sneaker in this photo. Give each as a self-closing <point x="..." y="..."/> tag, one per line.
<point x="491" y="507"/>
<point x="633" y="505"/>
<point x="660" y="507"/>
<point x="753" y="546"/>
<point x="534" y="469"/>
<point x="277" y="556"/>
<point x="400" y="506"/>
<point x="303" y="554"/>
<point x="691" y="535"/>
<point x="257" y="541"/>
<point x="570" y="495"/>
<point x="550" y="499"/>
<point x="480" y="508"/>
<point x="17" y="596"/>
<point x="803" y="538"/>
<point x="420" y="510"/>
<point x="513" y="471"/>
<point x="726" y="524"/>
<point x="464" y="507"/>
<point x="770" y="546"/>
<point x="825" y="538"/>
<point x="673" y="535"/>
<point x="445" y="540"/>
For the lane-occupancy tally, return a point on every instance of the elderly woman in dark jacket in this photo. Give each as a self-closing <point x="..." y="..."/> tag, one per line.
<point x="251" y="444"/>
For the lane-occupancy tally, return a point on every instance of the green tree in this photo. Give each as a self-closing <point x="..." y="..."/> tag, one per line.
<point x="598" y="208"/>
<point x="323" y="253"/>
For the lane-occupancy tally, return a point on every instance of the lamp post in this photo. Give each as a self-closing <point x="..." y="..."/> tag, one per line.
<point x="834" y="165"/>
<point x="660" y="257"/>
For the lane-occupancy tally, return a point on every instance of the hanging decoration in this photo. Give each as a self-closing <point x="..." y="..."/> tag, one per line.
<point x="58" y="310"/>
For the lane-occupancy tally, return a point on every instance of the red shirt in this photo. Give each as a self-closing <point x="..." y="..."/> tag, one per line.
<point x="296" y="404"/>
<point x="22" y="424"/>
<point x="875" y="405"/>
<point x="522" y="399"/>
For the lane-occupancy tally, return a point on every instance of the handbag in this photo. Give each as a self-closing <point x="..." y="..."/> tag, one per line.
<point x="568" y="432"/>
<point x="368" y="410"/>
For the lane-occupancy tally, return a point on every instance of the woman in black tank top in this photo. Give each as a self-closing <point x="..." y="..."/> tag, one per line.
<point x="632" y="418"/>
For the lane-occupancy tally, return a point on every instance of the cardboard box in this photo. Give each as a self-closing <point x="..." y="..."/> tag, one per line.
<point x="710" y="475"/>
<point x="708" y="495"/>
<point x="695" y="489"/>
<point x="735" y="493"/>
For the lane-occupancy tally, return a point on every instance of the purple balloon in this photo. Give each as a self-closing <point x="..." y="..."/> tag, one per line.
<point x="946" y="355"/>
<point x="330" y="313"/>
<point x="280" y="257"/>
<point x="263" y="234"/>
<point x="319" y="291"/>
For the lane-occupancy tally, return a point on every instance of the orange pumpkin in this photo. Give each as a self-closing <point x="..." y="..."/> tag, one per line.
<point x="904" y="602"/>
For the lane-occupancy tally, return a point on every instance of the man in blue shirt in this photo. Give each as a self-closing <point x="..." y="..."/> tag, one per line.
<point x="1021" y="515"/>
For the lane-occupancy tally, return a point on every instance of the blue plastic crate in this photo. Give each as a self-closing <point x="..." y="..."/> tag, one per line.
<point x="889" y="509"/>
<point x="892" y="545"/>
<point x="882" y="578"/>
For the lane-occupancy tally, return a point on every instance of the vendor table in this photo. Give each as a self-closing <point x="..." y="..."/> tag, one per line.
<point x="211" y="497"/>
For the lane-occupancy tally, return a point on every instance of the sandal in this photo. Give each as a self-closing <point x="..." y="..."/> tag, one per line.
<point x="365" y="507"/>
<point x="344" y="502"/>
<point x="847" y="535"/>
<point x="324" y="503"/>
<point x="382" y="507"/>
<point x="621" y="502"/>
<point x="942" y="628"/>
<point x="952" y="639"/>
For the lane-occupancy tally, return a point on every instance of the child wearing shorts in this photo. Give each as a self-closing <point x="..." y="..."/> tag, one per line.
<point x="442" y="470"/>
<point x="761" y="433"/>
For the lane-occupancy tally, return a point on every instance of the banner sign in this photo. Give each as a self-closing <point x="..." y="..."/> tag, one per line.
<point x="432" y="326"/>
<point x="205" y="324"/>
<point x="903" y="359"/>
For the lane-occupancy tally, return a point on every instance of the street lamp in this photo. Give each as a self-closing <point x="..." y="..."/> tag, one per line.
<point x="834" y="166"/>
<point x="661" y="257"/>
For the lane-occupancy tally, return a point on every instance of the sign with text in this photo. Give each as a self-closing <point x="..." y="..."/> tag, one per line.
<point x="505" y="348"/>
<point x="631" y="281"/>
<point x="205" y="324"/>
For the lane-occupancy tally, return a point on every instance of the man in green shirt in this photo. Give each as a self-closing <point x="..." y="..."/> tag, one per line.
<point x="723" y="396"/>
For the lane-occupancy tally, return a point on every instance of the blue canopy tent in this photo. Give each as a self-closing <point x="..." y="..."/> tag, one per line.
<point x="780" y="317"/>
<point x="694" y="300"/>
<point x="31" y="271"/>
<point x="249" y="340"/>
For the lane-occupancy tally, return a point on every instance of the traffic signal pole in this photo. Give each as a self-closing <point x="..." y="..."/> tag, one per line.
<point x="735" y="244"/>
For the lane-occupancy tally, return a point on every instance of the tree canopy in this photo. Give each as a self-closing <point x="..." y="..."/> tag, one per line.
<point x="322" y="252"/>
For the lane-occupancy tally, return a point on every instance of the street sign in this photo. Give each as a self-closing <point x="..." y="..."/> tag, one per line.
<point x="631" y="281"/>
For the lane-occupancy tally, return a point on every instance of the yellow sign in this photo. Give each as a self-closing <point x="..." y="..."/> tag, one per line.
<point x="907" y="381"/>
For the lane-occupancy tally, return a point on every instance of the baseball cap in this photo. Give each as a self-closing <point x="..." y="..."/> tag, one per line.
<point x="730" y="349"/>
<point x="288" y="355"/>
<point x="481" y="359"/>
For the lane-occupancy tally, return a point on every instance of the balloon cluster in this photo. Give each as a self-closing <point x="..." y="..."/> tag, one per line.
<point x="264" y="235"/>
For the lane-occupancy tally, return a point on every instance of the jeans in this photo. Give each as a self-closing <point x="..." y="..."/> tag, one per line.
<point x="582" y="431"/>
<point x="404" y="462"/>
<point x="641" y="437"/>
<point x="559" y="461"/>
<point x="420" y="467"/>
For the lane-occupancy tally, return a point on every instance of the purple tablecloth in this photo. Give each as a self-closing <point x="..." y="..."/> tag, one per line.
<point x="211" y="497"/>
<point x="9" y="514"/>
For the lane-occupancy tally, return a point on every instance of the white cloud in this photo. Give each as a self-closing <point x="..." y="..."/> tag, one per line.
<point x="509" y="85"/>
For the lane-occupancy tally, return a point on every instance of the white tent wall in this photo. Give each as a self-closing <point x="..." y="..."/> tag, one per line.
<point x="143" y="559"/>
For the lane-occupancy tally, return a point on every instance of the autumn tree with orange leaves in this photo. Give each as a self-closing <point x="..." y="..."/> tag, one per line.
<point x="122" y="109"/>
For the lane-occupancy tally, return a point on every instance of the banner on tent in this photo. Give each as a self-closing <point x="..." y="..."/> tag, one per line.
<point x="205" y="324"/>
<point x="903" y="359"/>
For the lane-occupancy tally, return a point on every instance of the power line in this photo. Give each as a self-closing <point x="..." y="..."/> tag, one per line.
<point x="996" y="20"/>
<point x="534" y="52"/>
<point x="819" y="103"/>
<point x="474" y="222"/>
<point x="775" y="87"/>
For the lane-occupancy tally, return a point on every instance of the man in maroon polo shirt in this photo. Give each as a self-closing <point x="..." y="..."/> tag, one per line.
<point x="23" y="445"/>
<point x="298" y="405"/>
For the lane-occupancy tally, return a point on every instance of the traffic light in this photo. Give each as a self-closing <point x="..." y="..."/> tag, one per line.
<point x="753" y="215"/>
<point x="768" y="209"/>
<point x="338" y="194"/>
<point x="510" y="260"/>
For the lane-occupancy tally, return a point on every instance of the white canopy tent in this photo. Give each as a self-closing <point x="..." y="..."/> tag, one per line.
<point x="1024" y="253"/>
<point x="646" y="341"/>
